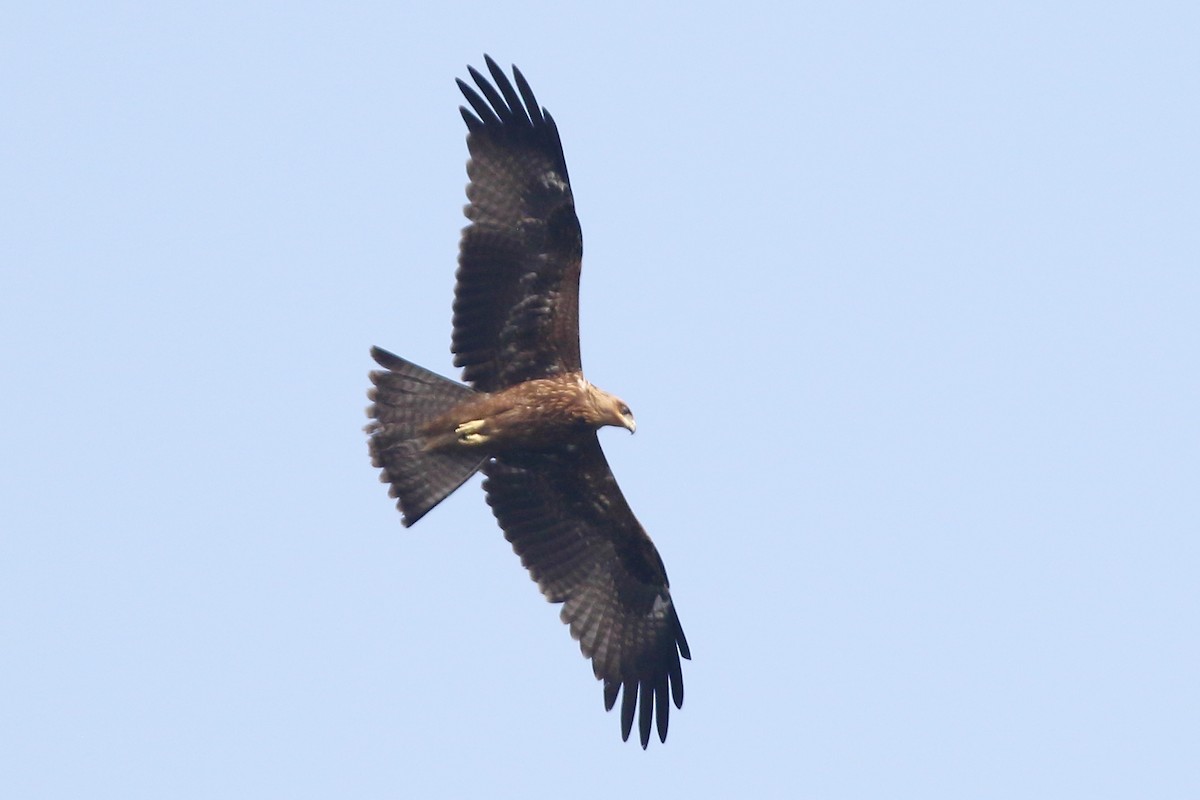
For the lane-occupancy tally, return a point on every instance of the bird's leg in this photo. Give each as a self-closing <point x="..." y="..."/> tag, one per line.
<point x="469" y="432"/>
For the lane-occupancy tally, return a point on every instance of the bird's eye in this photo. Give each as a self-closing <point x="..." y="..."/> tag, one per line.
<point x="625" y="409"/>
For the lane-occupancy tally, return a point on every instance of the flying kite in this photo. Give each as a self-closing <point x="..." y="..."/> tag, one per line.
<point x="528" y="418"/>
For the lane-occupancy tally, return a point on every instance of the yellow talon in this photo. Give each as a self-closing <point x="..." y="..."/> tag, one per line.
<point x="469" y="432"/>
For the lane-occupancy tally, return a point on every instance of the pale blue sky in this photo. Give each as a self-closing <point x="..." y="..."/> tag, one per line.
<point x="904" y="298"/>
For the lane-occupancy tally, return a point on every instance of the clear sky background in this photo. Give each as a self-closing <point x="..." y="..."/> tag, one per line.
<point x="905" y="299"/>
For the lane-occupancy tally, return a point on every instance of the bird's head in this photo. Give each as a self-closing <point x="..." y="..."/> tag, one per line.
<point x="612" y="410"/>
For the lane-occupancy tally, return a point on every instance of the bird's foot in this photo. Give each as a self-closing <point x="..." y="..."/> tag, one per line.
<point x="469" y="432"/>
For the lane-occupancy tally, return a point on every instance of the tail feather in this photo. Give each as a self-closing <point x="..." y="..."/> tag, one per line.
<point x="404" y="398"/>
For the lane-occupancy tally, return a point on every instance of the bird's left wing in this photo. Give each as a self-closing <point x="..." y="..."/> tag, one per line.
<point x="516" y="302"/>
<point x="568" y="521"/>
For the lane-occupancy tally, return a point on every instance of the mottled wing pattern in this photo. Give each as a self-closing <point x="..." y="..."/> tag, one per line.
<point x="517" y="297"/>
<point x="568" y="521"/>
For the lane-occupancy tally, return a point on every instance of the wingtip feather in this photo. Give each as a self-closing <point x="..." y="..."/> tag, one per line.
<point x="628" y="706"/>
<point x="646" y="713"/>
<point x="662" y="708"/>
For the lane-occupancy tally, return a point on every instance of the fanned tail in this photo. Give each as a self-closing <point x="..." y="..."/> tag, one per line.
<point x="404" y="398"/>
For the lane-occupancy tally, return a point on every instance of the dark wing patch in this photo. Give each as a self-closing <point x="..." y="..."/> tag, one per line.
<point x="568" y="521"/>
<point x="516" y="303"/>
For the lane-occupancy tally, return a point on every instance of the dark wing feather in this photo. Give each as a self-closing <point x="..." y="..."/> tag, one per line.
<point x="516" y="303"/>
<point x="568" y="521"/>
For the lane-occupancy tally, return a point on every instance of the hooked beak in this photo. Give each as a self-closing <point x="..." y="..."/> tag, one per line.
<point x="630" y="423"/>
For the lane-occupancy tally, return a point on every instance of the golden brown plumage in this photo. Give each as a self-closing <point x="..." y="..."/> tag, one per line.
<point x="534" y="415"/>
<point x="528" y="420"/>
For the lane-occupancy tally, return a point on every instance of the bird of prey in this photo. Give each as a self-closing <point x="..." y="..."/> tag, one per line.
<point x="526" y="416"/>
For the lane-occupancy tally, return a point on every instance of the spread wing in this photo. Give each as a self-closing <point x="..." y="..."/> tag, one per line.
<point x="568" y="521"/>
<point x="516" y="303"/>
